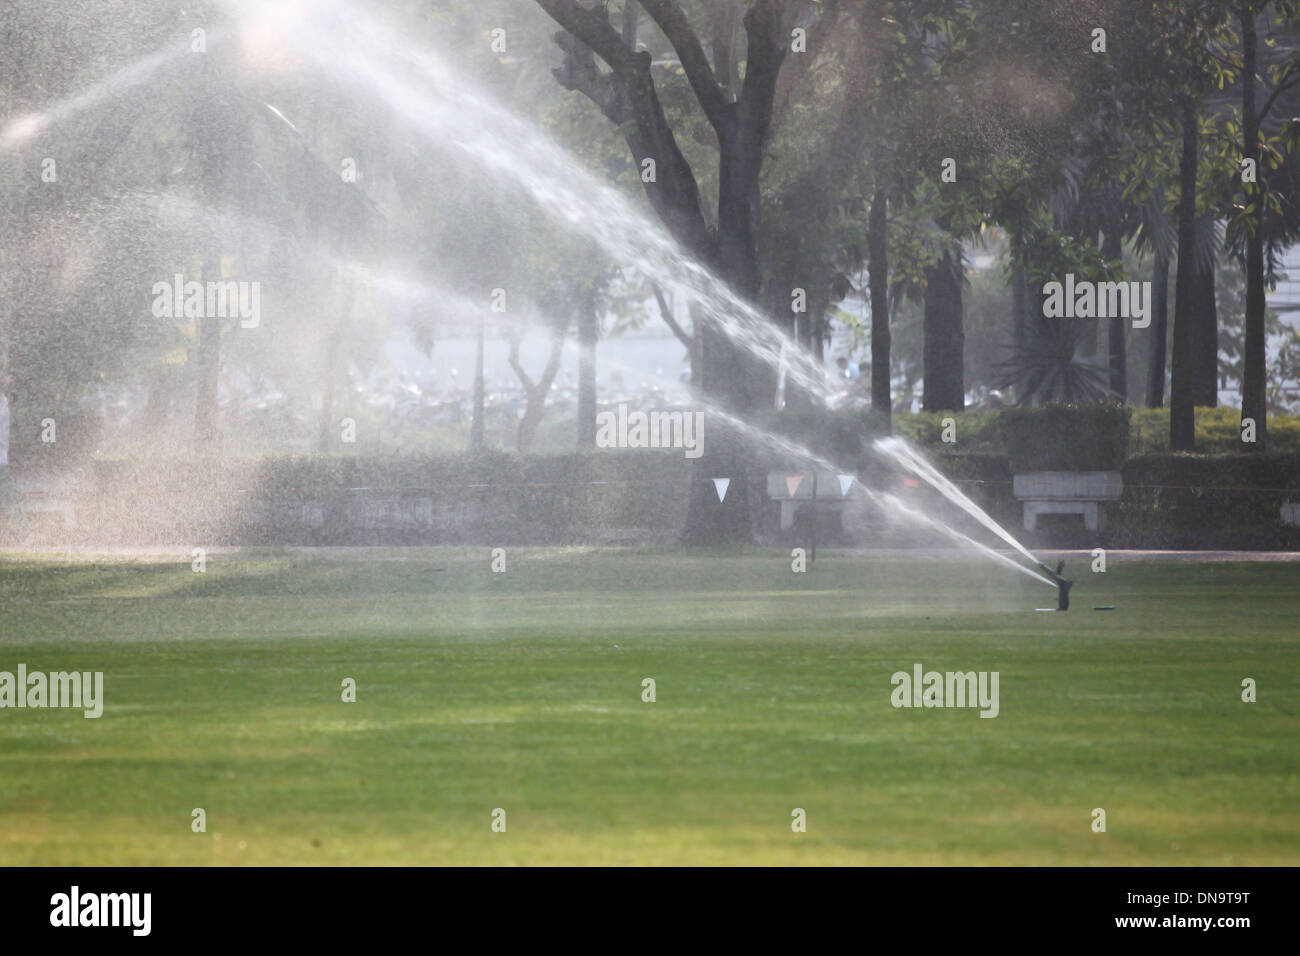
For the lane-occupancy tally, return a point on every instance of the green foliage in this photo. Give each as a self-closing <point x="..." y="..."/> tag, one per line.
<point x="1046" y="366"/>
<point x="490" y="496"/>
<point x="1218" y="431"/>
<point x="74" y="432"/>
<point x="1062" y="437"/>
<point x="979" y="431"/>
<point x="1208" y="501"/>
<point x="1271" y="473"/>
<point x="976" y="430"/>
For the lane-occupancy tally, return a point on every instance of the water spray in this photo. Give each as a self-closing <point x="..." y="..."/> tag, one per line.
<point x="903" y="453"/>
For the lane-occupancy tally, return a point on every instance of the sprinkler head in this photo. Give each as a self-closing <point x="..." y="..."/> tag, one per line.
<point x="1063" y="594"/>
<point x="1062" y="585"/>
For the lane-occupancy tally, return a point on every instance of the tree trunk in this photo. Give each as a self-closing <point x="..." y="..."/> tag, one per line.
<point x="1159" y="332"/>
<point x="329" y="362"/>
<point x="877" y="253"/>
<point x="729" y="374"/>
<point x="588" y="330"/>
<point x="1090" y="331"/>
<point x="944" y="339"/>
<point x="1205" y="322"/>
<point x="477" y="425"/>
<point x="329" y="372"/>
<point x="214" y="157"/>
<point x="1182" y="414"/>
<point x="208" y="363"/>
<point x="1112" y="248"/>
<point x="157" y="407"/>
<point x="1019" y="290"/>
<point x="1254" y="390"/>
<point x="722" y="367"/>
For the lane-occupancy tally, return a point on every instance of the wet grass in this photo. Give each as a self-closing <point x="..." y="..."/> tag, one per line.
<point x="523" y="691"/>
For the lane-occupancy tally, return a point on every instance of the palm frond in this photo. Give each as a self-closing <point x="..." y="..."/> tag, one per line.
<point x="1046" y="366"/>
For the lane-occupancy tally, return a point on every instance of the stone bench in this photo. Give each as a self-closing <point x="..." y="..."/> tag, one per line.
<point x="40" y="502"/>
<point x="792" y="489"/>
<point x="1066" y="493"/>
<point x="47" y="491"/>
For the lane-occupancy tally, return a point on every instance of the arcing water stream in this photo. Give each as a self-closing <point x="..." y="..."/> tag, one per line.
<point x="446" y="109"/>
<point x="348" y="43"/>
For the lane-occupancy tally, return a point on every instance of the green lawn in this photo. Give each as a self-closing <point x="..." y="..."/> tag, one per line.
<point x="523" y="690"/>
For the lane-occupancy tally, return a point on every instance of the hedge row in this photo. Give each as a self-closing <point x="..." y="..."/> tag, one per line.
<point x="1218" y="430"/>
<point x="1054" y="437"/>
<point x="1169" y="501"/>
<point x="1184" y="501"/>
<point x="1060" y="437"/>
<point x="311" y="499"/>
<point x="1209" y="501"/>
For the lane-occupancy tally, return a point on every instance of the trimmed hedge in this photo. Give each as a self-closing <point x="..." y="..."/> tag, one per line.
<point x="1179" y="501"/>
<point x="1208" y="501"/>
<point x="976" y="431"/>
<point x="1218" y="431"/>
<point x="1053" y="437"/>
<point x="1060" y="437"/>
<point x="454" y="499"/>
<point x="1169" y="501"/>
<point x="986" y="480"/>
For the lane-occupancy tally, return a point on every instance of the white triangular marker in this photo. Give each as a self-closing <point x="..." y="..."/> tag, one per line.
<point x="792" y="483"/>
<point x="846" y="482"/>
<point x="722" y="484"/>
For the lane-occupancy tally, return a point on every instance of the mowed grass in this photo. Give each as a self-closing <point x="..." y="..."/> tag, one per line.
<point x="523" y="691"/>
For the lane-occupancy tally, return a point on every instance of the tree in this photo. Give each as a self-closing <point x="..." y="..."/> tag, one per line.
<point x="1195" y="32"/>
<point x="1259" y="201"/>
<point x="628" y="96"/>
<point x="739" y="113"/>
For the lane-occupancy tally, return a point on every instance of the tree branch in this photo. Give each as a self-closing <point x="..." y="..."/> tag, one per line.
<point x="537" y="390"/>
<point x="580" y="74"/>
<point x="801" y="65"/>
<point x="627" y="96"/>
<point x="631" y="20"/>
<point x="593" y="29"/>
<point x="724" y="19"/>
<point x="553" y="363"/>
<point x="666" y="311"/>
<point x="528" y="383"/>
<point x="677" y="28"/>
<point x="1282" y="86"/>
